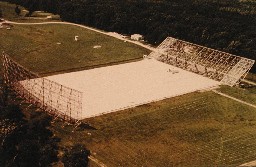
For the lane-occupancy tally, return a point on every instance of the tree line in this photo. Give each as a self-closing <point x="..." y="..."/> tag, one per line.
<point x="203" y="22"/>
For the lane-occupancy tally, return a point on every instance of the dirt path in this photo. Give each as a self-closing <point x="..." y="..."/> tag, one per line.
<point x="97" y="161"/>
<point x="249" y="82"/>
<point x="233" y="98"/>
<point x="249" y="164"/>
<point x="115" y="35"/>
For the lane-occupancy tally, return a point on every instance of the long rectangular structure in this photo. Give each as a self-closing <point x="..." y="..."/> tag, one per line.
<point x="173" y="72"/>
<point x="113" y="88"/>
<point x="107" y="89"/>
<point x="214" y="64"/>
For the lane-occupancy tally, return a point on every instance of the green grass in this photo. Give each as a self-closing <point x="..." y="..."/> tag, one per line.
<point x="36" y="48"/>
<point x="247" y="95"/>
<point x="197" y="129"/>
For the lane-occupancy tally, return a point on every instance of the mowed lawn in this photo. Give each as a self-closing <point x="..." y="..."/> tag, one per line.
<point x="197" y="129"/>
<point x="49" y="48"/>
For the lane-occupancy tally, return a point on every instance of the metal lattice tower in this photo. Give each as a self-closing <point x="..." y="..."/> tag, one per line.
<point x="214" y="64"/>
<point x="56" y="99"/>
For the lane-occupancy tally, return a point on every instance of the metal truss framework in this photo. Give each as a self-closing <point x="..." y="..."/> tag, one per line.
<point x="214" y="64"/>
<point x="54" y="98"/>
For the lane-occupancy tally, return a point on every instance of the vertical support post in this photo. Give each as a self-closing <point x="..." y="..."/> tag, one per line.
<point x="44" y="106"/>
<point x="70" y="111"/>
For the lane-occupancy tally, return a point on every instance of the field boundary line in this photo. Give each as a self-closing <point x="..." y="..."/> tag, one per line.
<point x="233" y="98"/>
<point x="97" y="161"/>
<point x="75" y="69"/>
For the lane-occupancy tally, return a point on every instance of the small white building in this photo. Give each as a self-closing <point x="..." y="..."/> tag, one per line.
<point x="136" y="37"/>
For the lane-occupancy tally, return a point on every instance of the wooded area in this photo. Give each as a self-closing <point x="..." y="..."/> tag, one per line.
<point x="224" y="25"/>
<point x="27" y="138"/>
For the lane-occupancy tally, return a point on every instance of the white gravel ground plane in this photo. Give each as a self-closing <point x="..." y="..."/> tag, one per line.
<point x="112" y="88"/>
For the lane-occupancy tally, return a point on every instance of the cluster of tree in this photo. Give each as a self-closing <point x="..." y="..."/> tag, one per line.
<point x="76" y="156"/>
<point x="199" y="21"/>
<point x="28" y="141"/>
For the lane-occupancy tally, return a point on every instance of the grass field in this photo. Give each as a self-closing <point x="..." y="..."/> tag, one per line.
<point x="198" y="129"/>
<point x="248" y="94"/>
<point x="36" y="47"/>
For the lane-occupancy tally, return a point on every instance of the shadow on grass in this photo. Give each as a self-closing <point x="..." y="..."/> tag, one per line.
<point x="85" y="126"/>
